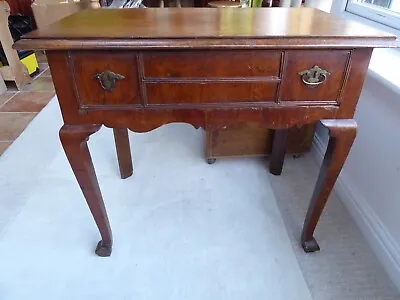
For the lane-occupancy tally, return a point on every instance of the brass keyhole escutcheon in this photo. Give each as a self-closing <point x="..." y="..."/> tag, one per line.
<point x="314" y="77"/>
<point x="108" y="79"/>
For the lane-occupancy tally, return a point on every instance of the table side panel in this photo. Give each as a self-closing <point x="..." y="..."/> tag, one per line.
<point x="358" y="68"/>
<point x="64" y="84"/>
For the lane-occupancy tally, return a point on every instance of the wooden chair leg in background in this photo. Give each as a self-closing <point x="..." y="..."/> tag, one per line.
<point x="16" y="70"/>
<point x="74" y="140"/>
<point x="341" y="137"/>
<point x="278" y="151"/>
<point x="122" y="146"/>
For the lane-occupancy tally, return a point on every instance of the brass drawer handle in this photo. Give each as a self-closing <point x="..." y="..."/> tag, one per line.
<point x="314" y="77"/>
<point x="108" y="79"/>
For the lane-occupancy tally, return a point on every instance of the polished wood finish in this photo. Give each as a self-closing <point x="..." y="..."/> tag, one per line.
<point x="210" y="92"/>
<point x="121" y="138"/>
<point x="207" y="77"/>
<point x="85" y="65"/>
<point x="341" y="137"/>
<point x="152" y="81"/>
<point x="74" y="140"/>
<point x="335" y="62"/>
<point x="212" y="64"/>
<point x="355" y="77"/>
<point x="278" y="151"/>
<point x="158" y="23"/>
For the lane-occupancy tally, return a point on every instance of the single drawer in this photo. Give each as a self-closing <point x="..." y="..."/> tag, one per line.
<point x="313" y="75"/>
<point x="202" y="64"/>
<point x="105" y="78"/>
<point x="221" y="92"/>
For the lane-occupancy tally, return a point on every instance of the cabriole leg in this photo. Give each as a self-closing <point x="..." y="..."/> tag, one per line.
<point x="74" y="140"/>
<point x="341" y="137"/>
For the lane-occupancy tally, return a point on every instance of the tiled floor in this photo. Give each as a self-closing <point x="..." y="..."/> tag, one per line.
<point x="18" y="108"/>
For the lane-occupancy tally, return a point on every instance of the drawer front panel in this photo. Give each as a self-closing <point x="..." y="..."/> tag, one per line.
<point x="196" y="93"/>
<point x="202" y="64"/>
<point x="93" y="91"/>
<point x="323" y="75"/>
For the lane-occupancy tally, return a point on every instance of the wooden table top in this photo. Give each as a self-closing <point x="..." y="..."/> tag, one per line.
<point x="124" y="27"/>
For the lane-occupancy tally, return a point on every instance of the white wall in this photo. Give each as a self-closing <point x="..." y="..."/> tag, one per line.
<point x="369" y="184"/>
<point x="324" y="5"/>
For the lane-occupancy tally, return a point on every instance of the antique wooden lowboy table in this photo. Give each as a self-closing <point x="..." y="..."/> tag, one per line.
<point x="143" y="68"/>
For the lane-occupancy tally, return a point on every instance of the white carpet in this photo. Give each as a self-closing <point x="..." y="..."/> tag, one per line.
<point x="182" y="229"/>
<point x="345" y="268"/>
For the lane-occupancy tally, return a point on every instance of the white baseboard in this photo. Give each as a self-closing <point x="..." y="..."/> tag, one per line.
<point x="379" y="239"/>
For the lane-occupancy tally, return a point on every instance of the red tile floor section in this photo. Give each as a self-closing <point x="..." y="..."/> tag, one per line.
<point x="18" y="108"/>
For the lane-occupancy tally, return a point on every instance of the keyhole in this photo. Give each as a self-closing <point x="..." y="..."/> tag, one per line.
<point x="315" y="74"/>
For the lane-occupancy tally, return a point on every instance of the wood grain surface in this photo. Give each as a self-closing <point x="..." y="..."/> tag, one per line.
<point x="205" y="28"/>
<point x="86" y="65"/>
<point x="188" y="93"/>
<point x="335" y="62"/>
<point x="205" y="22"/>
<point x="212" y="64"/>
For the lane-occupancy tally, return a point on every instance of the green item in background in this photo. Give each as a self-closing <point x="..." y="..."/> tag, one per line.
<point x="255" y="3"/>
<point x="251" y="3"/>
